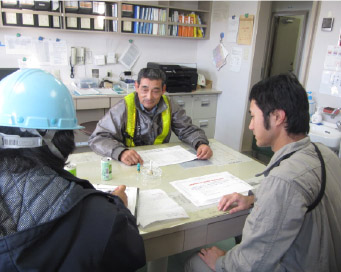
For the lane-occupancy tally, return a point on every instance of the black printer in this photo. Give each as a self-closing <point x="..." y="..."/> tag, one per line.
<point x="178" y="78"/>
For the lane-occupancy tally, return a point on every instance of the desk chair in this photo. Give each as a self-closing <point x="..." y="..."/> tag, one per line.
<point x="82" y="135"/>
<point x="89" y="127"/>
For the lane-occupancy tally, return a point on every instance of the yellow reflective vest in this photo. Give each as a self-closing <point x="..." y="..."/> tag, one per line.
<point x="131" y="120"/>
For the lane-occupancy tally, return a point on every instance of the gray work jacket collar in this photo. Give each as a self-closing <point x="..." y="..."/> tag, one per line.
<point x="160" y="107"/>
<point x="289" y="148"/>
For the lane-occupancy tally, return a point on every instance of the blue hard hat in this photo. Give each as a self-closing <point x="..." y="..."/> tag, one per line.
<point x="35" y="99"/>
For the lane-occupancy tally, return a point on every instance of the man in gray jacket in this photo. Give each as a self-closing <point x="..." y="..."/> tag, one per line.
<point x="295" y="224"/>
<point x="145" y="117"/>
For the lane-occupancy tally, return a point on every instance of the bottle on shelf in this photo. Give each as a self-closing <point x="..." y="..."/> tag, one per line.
<point x="316" y="118"/>
<point x="312" y="104"/>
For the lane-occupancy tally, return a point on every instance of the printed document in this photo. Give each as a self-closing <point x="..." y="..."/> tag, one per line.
<point x="167" y="155"/>
<point x="209" y="189"/>
<point x="155" y="205"/>
<point x="131" y="192"/>
<point x="148" y="206"/>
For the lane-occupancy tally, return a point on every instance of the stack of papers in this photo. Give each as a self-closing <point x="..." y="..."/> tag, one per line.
<point x="149" y="206"/>
<point x="209" y="189"/>
<point x="155" y="205"/>
<point x="167" y="156"/>
<point x="131" y="192"/>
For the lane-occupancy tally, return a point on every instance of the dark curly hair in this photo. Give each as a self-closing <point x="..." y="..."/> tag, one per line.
<point x="283" y="92"/>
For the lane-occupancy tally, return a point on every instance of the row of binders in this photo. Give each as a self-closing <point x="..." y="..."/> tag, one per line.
<point x="183" y="30"/>
<point x="149" y="28"/>
<point x="144" y="13"/>
<point x="149" y="14"/>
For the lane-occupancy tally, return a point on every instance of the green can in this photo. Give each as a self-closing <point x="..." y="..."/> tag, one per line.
<point x="106" y="169"/>
<point x="72" y="168"/>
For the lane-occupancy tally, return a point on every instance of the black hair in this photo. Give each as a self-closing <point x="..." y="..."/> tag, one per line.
<point x="152" y="74"/>
<point x="26" y="158"/>
<point x="283" y="92"/>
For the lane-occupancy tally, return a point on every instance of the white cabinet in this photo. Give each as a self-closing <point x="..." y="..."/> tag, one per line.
<point x="204" y="106"/>
<point x="207" y="125"/>
<point x="185" y="102"/>
<point x="201" y="108"/>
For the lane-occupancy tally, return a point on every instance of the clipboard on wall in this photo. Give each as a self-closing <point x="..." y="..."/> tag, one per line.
<point x="245" y="30"/>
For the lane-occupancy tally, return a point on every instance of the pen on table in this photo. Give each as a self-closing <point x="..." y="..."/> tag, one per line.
<point x="138" y="168"/>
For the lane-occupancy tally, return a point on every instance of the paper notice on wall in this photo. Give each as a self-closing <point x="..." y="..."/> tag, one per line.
<point x="236" y="59"/>
<point x="233" y="26"/>
<point x="58" y="51"/>
<point x="219" y="56"/>
<point x="41" y="52"/>
<point x="331" y="75"/>
<point x="130" y="56"/>
<point x="333" y="58"/>
<point x="331" y="83"/>
<point x="37" y="51"/>
<point x="18" y="45"/>
<point x="245" y="30"/>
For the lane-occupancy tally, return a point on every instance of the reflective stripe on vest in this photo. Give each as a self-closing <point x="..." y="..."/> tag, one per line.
<point x="131" y="120"/>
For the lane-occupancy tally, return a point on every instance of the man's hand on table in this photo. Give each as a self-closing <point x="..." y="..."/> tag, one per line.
<point x="239" y="202"/>
<point x="204" y="152"/>
<point x="120" y="192"/>
<point x="130" y="157"/>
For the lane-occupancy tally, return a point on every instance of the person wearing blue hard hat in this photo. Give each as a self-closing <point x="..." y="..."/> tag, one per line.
<point x="51" y="220"/>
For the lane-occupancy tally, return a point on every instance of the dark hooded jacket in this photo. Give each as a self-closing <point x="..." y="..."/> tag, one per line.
<point x="50" y="222"/>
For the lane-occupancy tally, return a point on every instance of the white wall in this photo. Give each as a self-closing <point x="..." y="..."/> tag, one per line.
<point x="321" y="42"/>
<point x="151" y="48"/>
<point x="232" y="103"/>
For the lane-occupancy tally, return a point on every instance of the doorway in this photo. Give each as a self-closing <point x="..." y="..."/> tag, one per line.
<point x="287" y="32"/>
<point x="284" y="54"/>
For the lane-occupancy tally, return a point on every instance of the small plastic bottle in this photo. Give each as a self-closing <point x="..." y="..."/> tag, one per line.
<point x="312" y="104"/>
<point x="317" y="116"/>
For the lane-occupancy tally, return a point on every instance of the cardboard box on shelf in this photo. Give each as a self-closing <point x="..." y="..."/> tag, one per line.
<point x="207" y="86"/>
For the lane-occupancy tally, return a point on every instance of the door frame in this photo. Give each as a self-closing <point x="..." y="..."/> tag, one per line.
<point x="272" y="34"/>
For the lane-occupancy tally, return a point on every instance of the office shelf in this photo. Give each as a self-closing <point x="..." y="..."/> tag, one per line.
<point x="175" y="19"/>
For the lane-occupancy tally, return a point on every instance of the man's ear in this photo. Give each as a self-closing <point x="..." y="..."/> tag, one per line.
<point x="136" y="85"/>
<point x="280" y="116"/>
<point x="163" y="88"/>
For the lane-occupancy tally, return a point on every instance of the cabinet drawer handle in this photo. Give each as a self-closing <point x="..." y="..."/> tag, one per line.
<point x="205" y="103"/>
<point x="181" y="103"/>
<point x="203" y="123"/>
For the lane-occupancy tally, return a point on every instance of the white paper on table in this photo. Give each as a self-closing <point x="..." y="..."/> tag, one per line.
<point x="131" y="192"/>
<point x="209" y="189"/>
<point x="84" y="157"/>
<point x="167" y="155"/>
<point x="223" y="155"/>
<point x="155" y="205"/>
